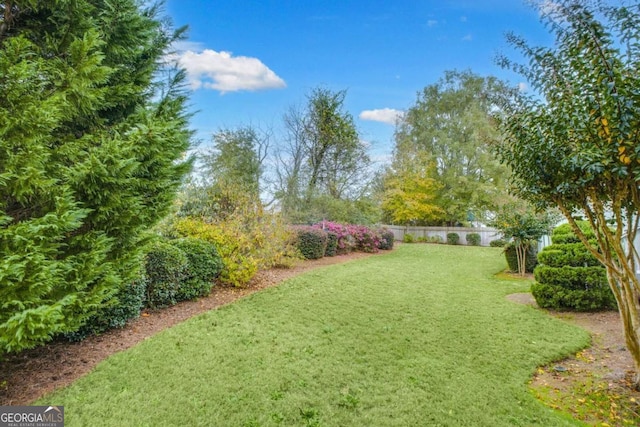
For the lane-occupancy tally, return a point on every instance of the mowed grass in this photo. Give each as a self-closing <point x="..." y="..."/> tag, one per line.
<point x="422" y="336"/>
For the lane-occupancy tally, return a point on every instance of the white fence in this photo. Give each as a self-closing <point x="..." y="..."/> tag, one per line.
<point x="486" y="234"/>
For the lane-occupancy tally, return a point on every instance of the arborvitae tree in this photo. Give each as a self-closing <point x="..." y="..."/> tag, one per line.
<point x="92" y="144"/>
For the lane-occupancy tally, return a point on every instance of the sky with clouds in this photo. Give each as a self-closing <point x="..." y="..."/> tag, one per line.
<point x="250" y="61"/>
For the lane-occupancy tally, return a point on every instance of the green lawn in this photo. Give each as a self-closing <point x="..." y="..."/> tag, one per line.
<point x="422" y="336"/>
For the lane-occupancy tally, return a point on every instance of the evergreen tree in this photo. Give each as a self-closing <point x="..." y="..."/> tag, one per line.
<point x="91" y="149"/>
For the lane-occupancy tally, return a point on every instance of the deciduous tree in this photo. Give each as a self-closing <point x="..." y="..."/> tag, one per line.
<point x="451" y="122"/>
<point x="575" y="143"/>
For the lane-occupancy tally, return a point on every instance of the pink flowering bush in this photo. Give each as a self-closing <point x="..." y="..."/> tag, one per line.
<point x="351" y="237"/>
<point x="345" y="240"/>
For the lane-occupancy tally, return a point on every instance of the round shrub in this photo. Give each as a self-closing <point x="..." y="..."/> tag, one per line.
<point x="474" y="239"/>
<point x="332" y="244"/>
<point x="408" y="238"/>
<point x="386" y="239"/>
<point x="311" y="242"/>
<point x="453" y="238"/>
<point x="125" y="305"/>
<point x="531" y="259"/>
<point x="167" y="267"/>
<point x="204" y="265"/>
<point x="497" y="243"/>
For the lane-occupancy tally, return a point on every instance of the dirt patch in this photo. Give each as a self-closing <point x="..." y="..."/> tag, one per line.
<point x="596" y="384"/>
<point x="26" y="376"/>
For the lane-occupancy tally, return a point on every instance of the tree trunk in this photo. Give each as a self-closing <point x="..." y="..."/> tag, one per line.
<point x="629" y="308"/>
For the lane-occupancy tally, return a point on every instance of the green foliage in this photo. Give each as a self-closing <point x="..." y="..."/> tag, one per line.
<point x="520" y="223"/>
<point x="125" y="305"/>
<point x="473" y="239"/>
<point x="531" y="259"/>
<point x="453" y="238"/>
<point x="167" y="268"/>
<point x="497" y="243"/>
<point x="554" y="297"/>
<point x="332" y="244"/>
<point x="312" y="242"/>
<point x="204" y="265"/>
<point x="408" y="238"/>
<point x="387" y="239"/>
<point x="570" y="254"/>
<point x="450" y="126"/>
<point x="91" y="141"/>
<point x="569" y="276"/>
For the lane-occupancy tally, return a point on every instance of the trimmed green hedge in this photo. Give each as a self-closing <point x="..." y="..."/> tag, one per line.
<point x="557" y="297"/>
<point x="569" y="277"/>
<point x="332" y="244"/>
<point x="125" y="305"/>
<point x="497" y="243"/>
<point x="204" y="265"/>
<point x="167" y="267"/>
<point x="453" y="238"/>
<point x="571" y="254"/>
<point x="473" y="239"/>
<point x="311" y="242"/>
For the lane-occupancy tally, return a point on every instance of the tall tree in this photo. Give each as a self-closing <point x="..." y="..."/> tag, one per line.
<point x="409" y="191"/>
<point x="575" y="143"/>
<point x="92" y="130"/>
<point x="324" y="159"/>
<point x="451" y="121"/>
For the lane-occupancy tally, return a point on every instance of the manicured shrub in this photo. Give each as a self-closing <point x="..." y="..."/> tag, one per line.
<point x="569" y="277"/>
<point x="408" y="238"/>
<point x="312" y="242"/>
<point x="332" y="244"/>
<point x="125" y="305"/>
<point x="531" y="259"/>
<point x="167" y="267"/>
<point x="387" y="239"/>
<point x="474" y="239"/>
<point x="453" y="238"/>
<point x="497" y="243"/>
<point x="204" y="265"/>
<point x="555" y="297"/>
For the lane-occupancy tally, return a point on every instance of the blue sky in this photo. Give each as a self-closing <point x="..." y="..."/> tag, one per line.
<point x="249" y="61"/>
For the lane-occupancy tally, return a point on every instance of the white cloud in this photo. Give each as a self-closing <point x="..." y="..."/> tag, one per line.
<point x="224" y="72"/>
<point x="467" y="38"/>
<point x="432" y="23"/>
<point x="523" y="87"/>
<point x="384" y="115"/>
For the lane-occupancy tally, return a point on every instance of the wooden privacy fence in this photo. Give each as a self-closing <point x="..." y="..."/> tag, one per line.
<point x="486" y="234"/>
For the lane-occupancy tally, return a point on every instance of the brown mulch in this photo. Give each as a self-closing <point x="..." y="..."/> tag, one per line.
<point x="596" y="385"/>
<point x="26" y="376"/>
